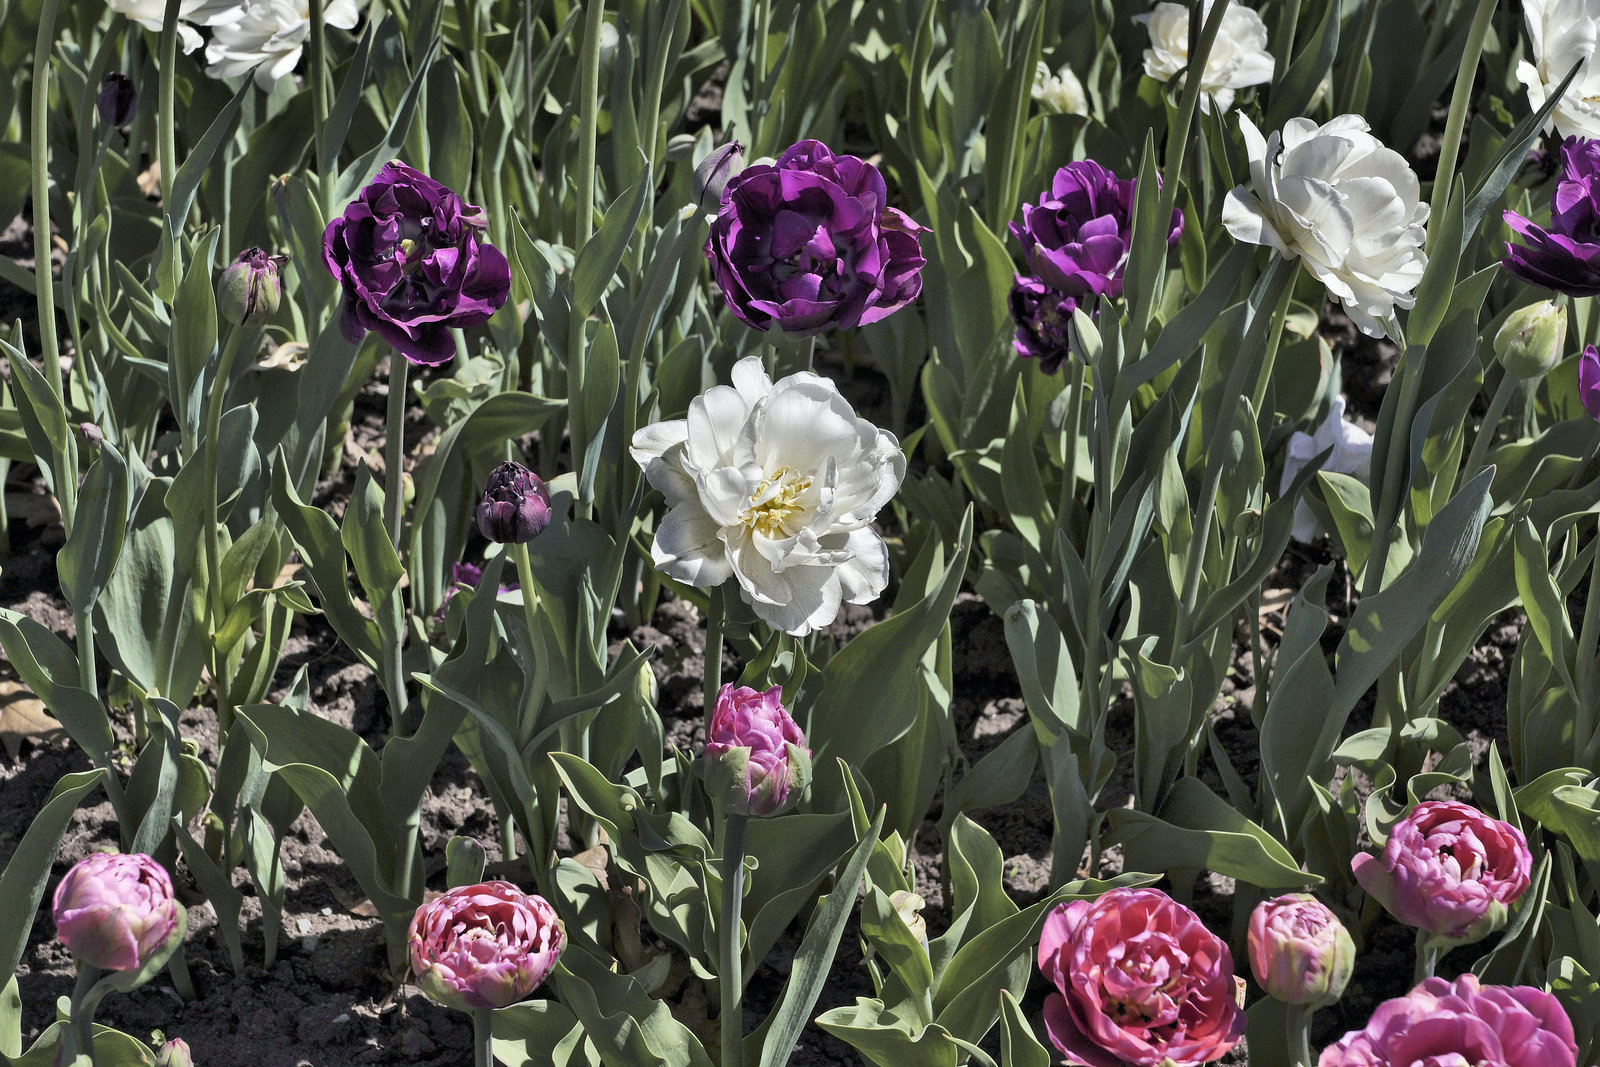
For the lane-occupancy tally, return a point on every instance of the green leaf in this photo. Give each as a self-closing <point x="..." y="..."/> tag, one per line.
<point x="194" y="336"/>
<point x="44" y="419"/>
<point x="536" y="1033"/>
<point x="85" y="562"/>
<point x="40" y="658"/>
<point x="197" y="164"/>
<point x="27" y="871"/>
<point x="1201" y="830"/>
<point x="1018" y="1045"/>
<point x="625" y="1023"/>
<point x="1560" y="801"/>
<point x="377" y="565"/>
<point x="887" y="1038"/>
<point x="600" y="256"/>
<point x="359" y="173"/>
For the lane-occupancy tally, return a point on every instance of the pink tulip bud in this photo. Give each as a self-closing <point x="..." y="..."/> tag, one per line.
<point x="1299" y="950"/>
<point x="484" y="946"/>
<point x="175" y="1053"/>
<point x="114" y="910"/>
<point x="756" y="757"/>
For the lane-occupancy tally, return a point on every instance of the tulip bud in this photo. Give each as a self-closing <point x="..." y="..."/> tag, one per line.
<point x="1530" y="341"/>
<point x="756" y="759"/>
<point x="117" y="101"/>
<point x="516" y="505"/>
<point x="175" y="1053"/>
<point x="1300" y="951"/>
<point x="909" y="907"/>
<point x="711" y="176"/>
<point x="249" y="290"/>
<point x="1589" y="381"/>
<point x="115" y="911"/>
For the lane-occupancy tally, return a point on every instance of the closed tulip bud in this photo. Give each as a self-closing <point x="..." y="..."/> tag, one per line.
<point x="175" y="1053"/>
<point x="115" y="911"/>
<point x="711" y="176"/>
<point x="756" y="758"/>
<point x="515" y="507"/>
<point x="1530" y="341"/>
<point x="909" y="907"/>
<point x="1300" y="951"/>
<point x="118" y="99"/>
<point x="249" y="291"/>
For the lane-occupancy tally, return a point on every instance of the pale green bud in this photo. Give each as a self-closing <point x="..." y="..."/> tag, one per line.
<point x="1532" y="338"/>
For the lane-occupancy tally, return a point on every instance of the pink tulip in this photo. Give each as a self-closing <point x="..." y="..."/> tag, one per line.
<point x="756" y="756"/>
<point x="1448" y="869"/>
<point x="1139" y="980"/>
<point x="115" y="910"/>
<point x="175" y="1053"/>
<point x="1446" y="1023"/>
<point x="484" y="946"/>
<point x="1299" y="950"/>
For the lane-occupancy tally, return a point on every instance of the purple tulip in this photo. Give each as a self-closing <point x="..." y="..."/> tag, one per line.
<point x="515" y="507"/>
<point x="1460" y="1022"/>
<point x="1299" y="950"/>
<point x="1589" y="380"/>
<point x="1449" y="869"/>
<point x="1076" y="238"/>
<point x="810" y="242"/>
<point x="411" y="257"/>
<point x="1043" y="316"/>
<point x="117" y="101"/>
<point x="1565" y="257"/>
<point x="756" y="757"/>
<point x="249" y="290"/>
<point x="484" y="946"/>
<point x="115" y="910"/>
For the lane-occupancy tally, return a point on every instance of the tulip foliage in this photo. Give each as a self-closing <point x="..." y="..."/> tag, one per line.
<point x="1054" y="305"/>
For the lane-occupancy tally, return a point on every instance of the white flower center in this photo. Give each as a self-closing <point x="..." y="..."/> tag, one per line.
<point x="776" y="503"/>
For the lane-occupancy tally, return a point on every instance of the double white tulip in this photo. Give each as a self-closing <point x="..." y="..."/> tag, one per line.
<point x="1560" y="34"/>
<point x="1348" y="207"/>
<point x="1238" y="56"/>
<point x="776" y="485"/>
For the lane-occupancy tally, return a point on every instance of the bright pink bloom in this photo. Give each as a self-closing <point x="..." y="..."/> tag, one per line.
<point x="1139" y="980"/>
<point x="484" y="946"/>
<point x="114" y="910"/>
<point x="1448" y="869"/>
<point x="1444" y="1024"/>
<point x="756" y="756"/>
<point x="1299" y="950"/>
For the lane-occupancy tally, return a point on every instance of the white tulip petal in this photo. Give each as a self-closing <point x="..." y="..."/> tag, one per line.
<point x="688" y="547"/>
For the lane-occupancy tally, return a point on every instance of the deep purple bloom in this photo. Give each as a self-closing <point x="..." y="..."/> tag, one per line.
<point x="1076" y="238"/>
<point x="1589" y="380"/>
<point x="1460" y="1022"/>
<point x="117" y="100"/>
<point x="1043" y="316"/>
<point x="810" y="242"/>
<point x="1565" y="257"/>
<point x="515" y="506"/>
<point x="411" y="257"/>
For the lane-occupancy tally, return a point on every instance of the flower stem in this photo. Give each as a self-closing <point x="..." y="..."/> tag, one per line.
<point x="1491" y="419"/>
<point x="1299" y="1030"/>
<point x="1069" y="452"/>
<point x="482" y="1038"/>
<point x="530" y="611"/>
<point x="317" y="47"/>
<point x="167" y="119"/>
<point x="213" y="524"/>
<point x="1450" y="145"/>
<point x="78" y="1038"/>
<point x="1427" y="956"/>
<point x="1280" y="273"/>
<point x="44" y="283"/>
<point x="588" y="107"/>
<point x="712" y="674"/>
<point x="730" y="945"/>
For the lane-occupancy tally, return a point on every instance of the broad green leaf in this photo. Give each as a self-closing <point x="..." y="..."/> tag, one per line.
<point x="27" y="871"/>
<point x="599" y="258"/>
<point x="85" y="562"/>
<point x="1198" y="829"/>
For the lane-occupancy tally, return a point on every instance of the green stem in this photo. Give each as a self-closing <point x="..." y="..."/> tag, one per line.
<point x="712" y="676"/>
<point x="49" y="344"/>
<point x="530" y="614"/>
<point x="1298" y="1020"/>
<point x="1491" y="419"/>
<point x="215" y="607"/>
<point x="588" y="108"/>
<point x="730" y="945"/>
<point x="167" y="118"/>
<point x="394" y="450"/>
<point x="1427" y="957"/>
<point x="482" y="1038"/>
<point x="1450" y="145"/>
<point x="1188" y="107"/>
<point x="78" y="1038"/>
<point x="758" y="70"/>
<point x="1280" y="273"/>
<point x="317" y="47"/>
<point x="1069" y="452"/>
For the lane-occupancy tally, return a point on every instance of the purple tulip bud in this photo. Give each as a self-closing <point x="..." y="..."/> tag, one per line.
<point x="1589" y="381"/>
<point x="175" y="1053"/>
<point x="1449" y="869"/>
<point x="248" y="292"/>
<point x="411" y="257"/>
<point x="1300" y="951"/>
<point x="484" y="946"/>
<point x="118" y="99"/>
<point x="516" y="505"/>
<point x="1044" y="322"/>
<point x="711" y="176"/>
<point x="756" y="758"/>
<point x="92" y="434"/>
<point x="115" y="910"/>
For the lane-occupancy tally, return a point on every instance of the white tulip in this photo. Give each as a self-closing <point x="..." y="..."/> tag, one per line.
<point x="1562" y="33"/>
<point x="1334" y="196"/>
<point x="1238" y="56"/>
<point x="191" y="13"/>
<point x="775" y="485"/>
<point x="1061" y="92"/>
<point x="267" y="38"/>
<point x="1352" y="455"/>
